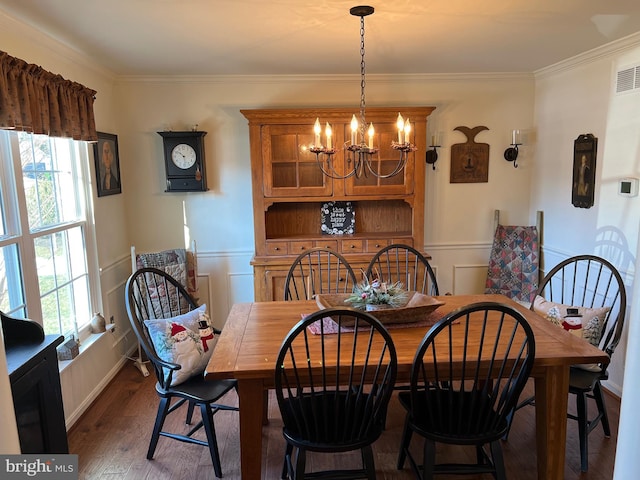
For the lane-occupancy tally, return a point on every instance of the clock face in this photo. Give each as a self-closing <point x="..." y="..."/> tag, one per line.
<point x="183" y="156"/>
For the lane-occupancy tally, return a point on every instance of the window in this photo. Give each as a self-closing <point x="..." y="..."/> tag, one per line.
<point x="47" y="268"/>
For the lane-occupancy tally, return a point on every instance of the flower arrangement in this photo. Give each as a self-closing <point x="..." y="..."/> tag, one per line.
<point x="376" y="292"/>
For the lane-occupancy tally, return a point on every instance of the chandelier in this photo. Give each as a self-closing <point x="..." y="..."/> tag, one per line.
<point x="360" y="152"/>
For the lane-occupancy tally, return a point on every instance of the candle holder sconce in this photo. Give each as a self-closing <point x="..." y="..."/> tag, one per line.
<point x="511" y="153"/>
<point x="432" y="155"/>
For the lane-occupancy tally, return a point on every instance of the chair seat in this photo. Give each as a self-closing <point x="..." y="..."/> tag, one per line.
<point x="471" y="425"/>
<point x="198" y="389"/>
<point x="337" y="428"/>
<point x="583" y="380"/>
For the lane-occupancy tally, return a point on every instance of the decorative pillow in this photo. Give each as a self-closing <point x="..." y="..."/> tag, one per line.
<point x="187" y="340"/>
<point x="586" y="324"/>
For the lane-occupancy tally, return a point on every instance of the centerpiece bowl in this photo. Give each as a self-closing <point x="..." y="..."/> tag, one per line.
<point x="416" y="309"/>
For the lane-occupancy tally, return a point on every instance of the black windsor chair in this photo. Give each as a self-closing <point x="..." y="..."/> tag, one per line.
<point x="588" y="282"/>
<point x="404" y="264"/>
<point x="463" y="388"/>
<point x="318" y="270"/>
<point x="154" y="294"/>
<point x="333" y="390"/>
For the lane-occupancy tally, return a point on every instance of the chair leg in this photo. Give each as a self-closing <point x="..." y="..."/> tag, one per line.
<point x="209" y="428"/>
<point x="602" y="409"/>
<point x="404" y="444"/>
<point x="429" y="462"/>
<point x="190" y="409"/>
<point x="368" y="463"/>
<point x="480" y="456"/>
<point x="581" y="407"/>
<point x="163" y="408"/>
<point x="287" y="461"/>
<point x="301" y="464"/>
<point x="498" y="460"/>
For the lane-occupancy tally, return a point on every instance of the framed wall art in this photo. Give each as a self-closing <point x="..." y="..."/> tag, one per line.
<point x="584" y="170"/>
<point x="105" y="155"/>
<point x="470" y="160"/>
<point x="337" y="218"/>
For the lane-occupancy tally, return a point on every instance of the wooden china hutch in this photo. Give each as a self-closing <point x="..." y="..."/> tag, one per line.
<point x="289" y="189"/>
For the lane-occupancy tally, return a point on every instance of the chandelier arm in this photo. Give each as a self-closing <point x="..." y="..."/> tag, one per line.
<point x="398" y="168"/>
<point x="333" y="173"/>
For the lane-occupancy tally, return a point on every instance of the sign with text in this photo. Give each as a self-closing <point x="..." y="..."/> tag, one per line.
<point x="51" y="466"/>
<point x="338" y="218"/>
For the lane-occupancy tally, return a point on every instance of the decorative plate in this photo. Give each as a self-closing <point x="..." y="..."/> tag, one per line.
<point x="417" y="308"/>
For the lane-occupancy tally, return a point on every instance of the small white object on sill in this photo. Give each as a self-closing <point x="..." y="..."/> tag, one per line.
<point x="98" y="323"/>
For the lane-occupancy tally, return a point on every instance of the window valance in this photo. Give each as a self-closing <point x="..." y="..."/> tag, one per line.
<point x="35" y="100"/>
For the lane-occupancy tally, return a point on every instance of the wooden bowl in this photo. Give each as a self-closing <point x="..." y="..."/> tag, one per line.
<point x="417" y="308"/>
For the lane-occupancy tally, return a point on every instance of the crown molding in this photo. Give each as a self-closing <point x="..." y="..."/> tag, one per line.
<point x="51" y="47"/>
<point x="326" y="78"/>
<point x="610" y="49"/>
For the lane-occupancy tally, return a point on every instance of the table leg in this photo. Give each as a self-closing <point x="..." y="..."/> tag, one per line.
<point x="250" y="400"/>
<point x="265" y="408"/>
<point x="552" y="391"/>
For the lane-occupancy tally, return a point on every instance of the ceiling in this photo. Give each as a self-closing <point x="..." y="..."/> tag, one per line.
<point x="263" y="37"/>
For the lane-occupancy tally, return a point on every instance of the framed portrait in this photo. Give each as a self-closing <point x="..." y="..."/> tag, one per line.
<point x="107" y="160"/>
<point x="584" y="170"/>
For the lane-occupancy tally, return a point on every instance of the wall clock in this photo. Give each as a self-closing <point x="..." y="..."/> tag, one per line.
<point x="184" y="161"/>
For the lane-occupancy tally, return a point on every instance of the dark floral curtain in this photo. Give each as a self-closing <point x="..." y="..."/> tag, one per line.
<point x="37" y="101"/>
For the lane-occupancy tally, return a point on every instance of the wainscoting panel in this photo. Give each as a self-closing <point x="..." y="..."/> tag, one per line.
<point x="469" y="279"/>
<point x="229" y="279"/>
<point x="460" y="268"/>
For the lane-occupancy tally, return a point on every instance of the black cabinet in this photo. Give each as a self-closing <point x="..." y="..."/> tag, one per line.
<point x="37" y="395"/>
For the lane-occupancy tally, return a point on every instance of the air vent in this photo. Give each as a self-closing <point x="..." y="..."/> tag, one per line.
<point x="628" y="79"/>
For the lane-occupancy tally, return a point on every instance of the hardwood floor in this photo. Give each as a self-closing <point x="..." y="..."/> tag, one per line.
<point x="112" y="438"/>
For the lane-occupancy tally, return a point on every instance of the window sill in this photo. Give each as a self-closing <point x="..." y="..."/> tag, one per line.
<point x="86" y="345"/>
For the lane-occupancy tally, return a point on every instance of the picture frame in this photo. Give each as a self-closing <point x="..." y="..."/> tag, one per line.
<point x="584" y="171"/>
<point x="107" y="162"/>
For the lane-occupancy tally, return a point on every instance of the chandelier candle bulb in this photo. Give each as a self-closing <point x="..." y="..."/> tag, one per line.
<point x="328" y="132"/>
<point x="407" y="131"/>
<point x="317" y="130"/>
<point x="400" y="125"/>
<point x="354" y="129"/>
<point x="514" y="135"/>
<point x="371" y="132"/>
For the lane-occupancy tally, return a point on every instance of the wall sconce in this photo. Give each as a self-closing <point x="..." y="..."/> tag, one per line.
<point x="432" y="155"/>
<point x="511" y="153"/>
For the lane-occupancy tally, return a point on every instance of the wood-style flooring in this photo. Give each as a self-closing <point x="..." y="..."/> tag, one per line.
<point x="112" y="437"/>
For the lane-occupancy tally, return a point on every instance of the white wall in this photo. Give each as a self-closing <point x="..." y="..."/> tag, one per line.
<point x="580" y="100"/>
<point x="574" y="100"/>
<point x="459" y="223"/>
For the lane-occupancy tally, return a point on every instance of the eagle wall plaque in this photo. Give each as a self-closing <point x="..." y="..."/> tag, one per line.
<point x="470" y="160"/>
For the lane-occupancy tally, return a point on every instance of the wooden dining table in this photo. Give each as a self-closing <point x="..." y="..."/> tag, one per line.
<point x="249" y="344"/>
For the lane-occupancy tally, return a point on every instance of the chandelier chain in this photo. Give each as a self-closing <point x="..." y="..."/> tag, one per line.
<point x="362" y="81"/>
